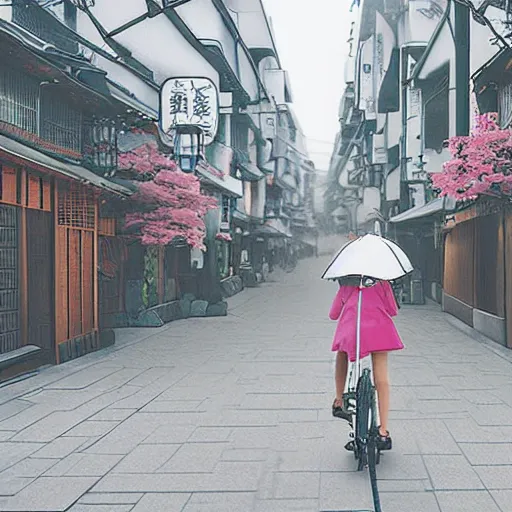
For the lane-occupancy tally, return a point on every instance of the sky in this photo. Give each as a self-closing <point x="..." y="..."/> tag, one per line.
<point x="311" y="40"/>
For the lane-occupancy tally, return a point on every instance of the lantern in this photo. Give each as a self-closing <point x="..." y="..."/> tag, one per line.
<point x="188" y="147"/>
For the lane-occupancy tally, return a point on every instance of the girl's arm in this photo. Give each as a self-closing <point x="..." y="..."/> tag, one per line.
<point x="389" y="299"/>
<point x="337" y="304"/>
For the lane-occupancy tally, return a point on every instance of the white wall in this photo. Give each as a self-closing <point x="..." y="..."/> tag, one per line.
<point x="252" y="23"/>
<point x="155" y="42"/>
<point x="203" y="19"/>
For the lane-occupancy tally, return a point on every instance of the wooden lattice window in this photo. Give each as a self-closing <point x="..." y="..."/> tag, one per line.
<point x="19" y="95"/>
<point x="107" y="227"/>
<point x="76" y="208"/>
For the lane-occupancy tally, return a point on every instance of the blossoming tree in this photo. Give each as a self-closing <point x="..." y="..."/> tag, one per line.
<point x="481" y="163"/>
<point x="175" y="206"/>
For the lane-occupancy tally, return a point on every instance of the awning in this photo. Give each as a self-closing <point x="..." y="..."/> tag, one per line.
<point x="124" y="97"/>
<point x="226" y="184"/>
<point x="250" y="171"/>
<point x="439" y="205"/>
<point x="273" y="228"/>
<point x="29" y="156"/>
<point x="76" y="69"/>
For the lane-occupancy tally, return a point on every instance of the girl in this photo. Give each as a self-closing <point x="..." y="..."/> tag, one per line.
<point x="378" y="337"/>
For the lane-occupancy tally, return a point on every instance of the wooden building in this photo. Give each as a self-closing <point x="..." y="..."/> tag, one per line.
<point x="55" y="154"/>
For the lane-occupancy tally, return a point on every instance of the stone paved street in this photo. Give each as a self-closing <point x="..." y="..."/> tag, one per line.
<point x="233" y="414"/>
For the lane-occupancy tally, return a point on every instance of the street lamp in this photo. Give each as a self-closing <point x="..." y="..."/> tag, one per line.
<point x="188" y="147"/>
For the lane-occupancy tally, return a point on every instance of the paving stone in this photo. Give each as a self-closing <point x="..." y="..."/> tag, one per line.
<point x="12" y="453"/>
<point x="488" y="454"/>
<point x="60" y="448"/>
<point x="210" y="435"/>
<point x="452" y="472"/>
<point x="129" y="498"/>
<point x="225" y="502"/>
<point x="503" y="498"/>
<point x="48" y="494"/>
<point x="442" y="443"/>
<point x="194" y="458"/>
<point x="147" y="458"/>
<point x="93" y="465"/>
<point x="92" y="429"/>
<point x="12" y="485"/>
<point x="405" y="501"/>
<point x="100" y="508"/>
<point x="297" y="485"/>
<point x="50" y="427"/>
<point x="239" y="479"/>
<point x="495" y="477"/>
<point x="112" y="414"/>
<point x="346" y="491"/>
<point x="29" y="468"/>
<point x="462" y="501"/>
<point x="170" y="502"/>
<point x="299" y="505"/>
<point x="170" y="434"/>
<point x="5" y="435"/>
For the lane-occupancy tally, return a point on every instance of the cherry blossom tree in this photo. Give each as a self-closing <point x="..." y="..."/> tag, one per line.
<point x="481" y="163"/>
<point x="174" y="206"/>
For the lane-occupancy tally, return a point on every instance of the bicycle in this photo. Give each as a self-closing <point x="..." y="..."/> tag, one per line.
<point x="360" y="401"/>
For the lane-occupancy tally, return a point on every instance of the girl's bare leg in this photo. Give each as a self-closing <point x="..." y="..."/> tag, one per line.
<point x="380" y="375"/>
<point x="340" y="375"/>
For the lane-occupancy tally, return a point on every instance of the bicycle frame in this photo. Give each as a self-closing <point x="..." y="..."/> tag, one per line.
<point x="369" y="454"/>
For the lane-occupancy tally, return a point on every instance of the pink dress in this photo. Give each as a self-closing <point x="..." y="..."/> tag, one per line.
<point x="378" y="332"/>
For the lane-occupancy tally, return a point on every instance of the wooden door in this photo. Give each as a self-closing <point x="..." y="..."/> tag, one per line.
<point x="10" y="324"/>
<point x="40" y="279"/>
<point x="508" y="276"/>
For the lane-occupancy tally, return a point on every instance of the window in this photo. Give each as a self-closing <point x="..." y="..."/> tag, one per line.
<point x="18" y="100"/>
<point x="100" y="146"/>
<point x="60" y="124"/>
<point x="505" y="105"/>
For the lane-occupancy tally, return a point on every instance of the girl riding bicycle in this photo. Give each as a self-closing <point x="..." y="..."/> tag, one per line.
<point x="378" y="337"/>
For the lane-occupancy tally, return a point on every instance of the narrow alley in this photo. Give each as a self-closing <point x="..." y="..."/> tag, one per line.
<point x="233" y="414"/>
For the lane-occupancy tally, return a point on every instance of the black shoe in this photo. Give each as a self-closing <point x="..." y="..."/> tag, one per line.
<point x="338" y="412"/>
<point x="350" y="446"/>
<point x="384" y="443"/>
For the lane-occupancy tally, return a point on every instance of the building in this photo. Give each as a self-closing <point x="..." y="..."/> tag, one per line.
<point x="80" y="88"/>
<point x="402" y="101"/>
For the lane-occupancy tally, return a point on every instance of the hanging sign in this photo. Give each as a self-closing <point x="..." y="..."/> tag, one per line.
<point x="192" y="102"/>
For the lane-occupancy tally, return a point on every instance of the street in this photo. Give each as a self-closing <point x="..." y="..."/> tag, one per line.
<point x="234" y="414"/>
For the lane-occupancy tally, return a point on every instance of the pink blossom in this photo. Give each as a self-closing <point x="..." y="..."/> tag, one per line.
<point x="176" y="205"/>
<point x="224" y="237"/>
<point x="478" y="162"/>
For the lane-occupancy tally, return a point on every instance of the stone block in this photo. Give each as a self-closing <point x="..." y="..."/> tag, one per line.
<point x="148" y="318"/>
<point x="219" y="309"/>
<point x="198" y="308"/>
<point x="185" y="307"/>
<point x="231" y="286"/>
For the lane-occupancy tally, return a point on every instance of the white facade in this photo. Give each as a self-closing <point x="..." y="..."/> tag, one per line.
<point x="415" y="42"/>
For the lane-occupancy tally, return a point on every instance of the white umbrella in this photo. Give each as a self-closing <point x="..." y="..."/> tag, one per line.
<point x="369" y="256"/>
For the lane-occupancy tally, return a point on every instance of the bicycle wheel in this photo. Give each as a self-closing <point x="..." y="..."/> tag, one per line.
<point x="373" y="451"/>
<point x="363" y="416"/>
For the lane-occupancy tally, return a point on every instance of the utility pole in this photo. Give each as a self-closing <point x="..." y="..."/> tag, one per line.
<point x="462" y="70"/>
